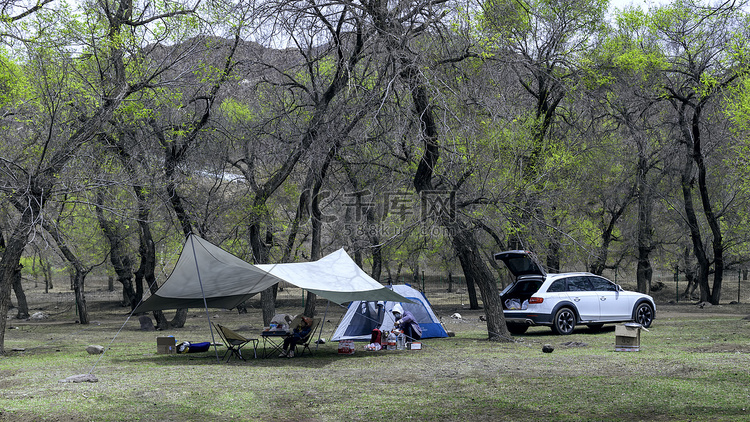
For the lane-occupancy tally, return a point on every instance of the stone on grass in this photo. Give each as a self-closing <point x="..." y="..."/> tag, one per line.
<point x="38" y="316"/>
<point x="146" y="323"/>
<point x="547" y="348"/>
<point x="95" y="349"/>
<point x="80" y="378"/>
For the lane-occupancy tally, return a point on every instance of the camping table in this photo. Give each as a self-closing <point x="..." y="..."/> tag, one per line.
<point x="273" y="342"/>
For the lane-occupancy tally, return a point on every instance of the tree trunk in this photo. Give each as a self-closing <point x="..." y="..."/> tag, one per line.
<point x="23" y="306"/>
<point x="83" y="313"/>
<point x="121" y="262"/>
<point x="371" y="218"/>
<point x="713" y="222"/>
<point x="689" y="269"/>
<point x="466" y="246"/>
<point x="316" y="219"/>
<point x="644" y="240"/>
<point x="694" y="155"/>
<point x="315" y="250"/>
<point x="472" y="292"/>
<point x="147" y="270"/>
<point x="9" y="265"/>
<point x="79" y="272"/>
<point x="47" y="269"/>
<point x="600" y="264"/>
<point x="260" y="249"/>
<point x="173" y="155"/>
<point x="695" y="233"/>
<point x="462" y="238"/>
<point x="377" y="259"/>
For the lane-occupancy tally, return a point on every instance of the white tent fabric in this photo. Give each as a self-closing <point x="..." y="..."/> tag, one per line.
<point x="335" y="277"/>
<point x="205" y="271"/>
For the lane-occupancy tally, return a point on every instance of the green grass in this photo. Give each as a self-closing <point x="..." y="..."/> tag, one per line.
<point x="693" y="365"/>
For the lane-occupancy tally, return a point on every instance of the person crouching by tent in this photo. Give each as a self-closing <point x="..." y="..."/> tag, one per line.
<point x="406" y="322"/>
<point x="298" y="334"/>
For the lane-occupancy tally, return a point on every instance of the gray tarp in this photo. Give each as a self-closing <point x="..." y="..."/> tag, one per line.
<point x="205" y="270"/>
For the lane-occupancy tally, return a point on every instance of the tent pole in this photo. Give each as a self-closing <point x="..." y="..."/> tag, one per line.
<point x="320" y="333"/>
<point x="205" y="304"/>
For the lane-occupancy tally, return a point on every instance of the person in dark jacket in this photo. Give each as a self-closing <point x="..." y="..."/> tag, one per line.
<point x="300" y="332"/>
<point x="406" y="322"/>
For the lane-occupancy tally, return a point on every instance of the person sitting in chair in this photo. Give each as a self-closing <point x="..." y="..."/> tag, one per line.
<point x="300" y="332"/>
<point x="406" y="322"/>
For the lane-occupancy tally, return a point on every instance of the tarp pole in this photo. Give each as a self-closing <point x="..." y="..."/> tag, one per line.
<point x="320" y="333"/>
<point x="205" y="304"/>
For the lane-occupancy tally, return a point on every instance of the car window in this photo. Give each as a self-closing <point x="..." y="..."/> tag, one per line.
<point x="558" y="286"/>
<point x="602" y="284"/>
<point x="507" y="289"/>
<point x="579" y="284"/>
<point x="522" y="265"/>
<point x="528" y="287"/>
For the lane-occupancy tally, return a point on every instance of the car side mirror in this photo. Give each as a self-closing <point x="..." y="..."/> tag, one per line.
<point x="619" y="288"/>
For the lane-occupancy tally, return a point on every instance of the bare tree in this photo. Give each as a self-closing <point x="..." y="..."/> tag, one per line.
<point x="703" y="56"/>
<point x="67" y="89"/>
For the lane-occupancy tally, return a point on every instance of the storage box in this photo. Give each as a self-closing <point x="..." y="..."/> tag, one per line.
<point x="628" y="338"/>
<point x="415" y="345"/>
<point x="166" y="346"/>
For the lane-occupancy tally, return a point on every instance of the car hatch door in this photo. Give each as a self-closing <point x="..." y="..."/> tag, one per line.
<point x="521" y="263"/>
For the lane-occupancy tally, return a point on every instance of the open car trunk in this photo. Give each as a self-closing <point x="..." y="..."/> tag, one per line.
<point x="517" y="295"/>
<point x="529" y="275"/>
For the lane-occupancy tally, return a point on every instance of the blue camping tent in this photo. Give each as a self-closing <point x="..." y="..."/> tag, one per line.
<point x="362" y="317"/>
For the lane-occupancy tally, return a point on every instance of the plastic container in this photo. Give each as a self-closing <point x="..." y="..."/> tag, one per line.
<point x="392" y="340"/>
<point x="401" y="342"/>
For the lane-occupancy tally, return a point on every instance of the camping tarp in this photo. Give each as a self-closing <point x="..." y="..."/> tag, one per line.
<point x="335" y="277"/>
<point x="204" y="270"/>
<point x="363" y="316"/>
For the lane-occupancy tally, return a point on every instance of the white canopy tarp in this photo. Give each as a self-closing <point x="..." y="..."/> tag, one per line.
<point x="206" y="272"/>
<point x="335" y="277"/>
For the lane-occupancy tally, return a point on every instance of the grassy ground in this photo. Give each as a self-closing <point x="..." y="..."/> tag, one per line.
<point x="694" y="365"/>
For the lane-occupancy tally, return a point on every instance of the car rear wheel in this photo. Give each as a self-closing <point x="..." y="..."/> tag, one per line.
<point x="516" y="328"/>
<point x="644" y="314"/>
<point x="564" y="322"/>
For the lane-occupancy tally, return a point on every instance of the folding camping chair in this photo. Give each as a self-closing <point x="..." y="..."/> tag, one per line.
<point x="305" y="342"/>
<point x="235" y="342"/>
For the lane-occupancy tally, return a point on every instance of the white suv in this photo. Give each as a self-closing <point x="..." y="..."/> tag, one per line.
<point x="564" y="300"/>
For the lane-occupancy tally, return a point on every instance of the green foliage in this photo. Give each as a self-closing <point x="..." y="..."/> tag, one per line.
<point x="510" y="19"/>
<point x="736" y="104"/>
<point x="237" y="111"/>
<point x="13" y="83"/>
